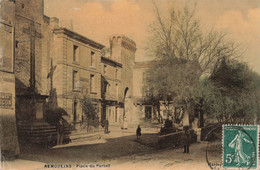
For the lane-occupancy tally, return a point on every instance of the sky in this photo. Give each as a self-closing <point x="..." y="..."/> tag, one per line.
<point x="99" y="19"/>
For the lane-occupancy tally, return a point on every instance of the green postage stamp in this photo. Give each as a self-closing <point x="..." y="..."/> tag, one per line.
<point x="240" y="146"/>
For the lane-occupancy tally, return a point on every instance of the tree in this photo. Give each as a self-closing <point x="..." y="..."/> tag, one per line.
<point x="186" y="52"/>
<point x="88" y="109"/>
<point x="231" y="92"/>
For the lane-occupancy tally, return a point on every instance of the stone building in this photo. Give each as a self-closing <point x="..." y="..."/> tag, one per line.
<point x="70" y="65"/>
<point x="77" y="60"/>
<point x="144" y="107"/>
<point x="111" y="93"/>
<point x="9" y="146"/>
<point x="30" y="60"/>
<point x="31" y="71"/>
<point x="29" y="21"/>
<point x="123" y="51"/>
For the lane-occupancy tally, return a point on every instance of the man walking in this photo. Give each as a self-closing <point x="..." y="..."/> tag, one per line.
<point x="186" y="137"/>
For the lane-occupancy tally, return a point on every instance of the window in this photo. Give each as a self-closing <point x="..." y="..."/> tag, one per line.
<point x="75" y="111"/>
<point x="117" y="91"/>
<point x="108" y="88"/>
<point x="95" y="106"/>
<point x="74" y="79"/>
<point x="116" y="74"/>
<point x="75" y="53"/>
<point x="92" y="58"/>
<point x="16" y="44"/>
<point x="105" y="69"/>
<point x="144" y="77"/>
<point x="92" y="84"/>
<point x="116" y="110"/>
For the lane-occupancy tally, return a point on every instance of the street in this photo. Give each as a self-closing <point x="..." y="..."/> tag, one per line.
<point x="116" y="150"/>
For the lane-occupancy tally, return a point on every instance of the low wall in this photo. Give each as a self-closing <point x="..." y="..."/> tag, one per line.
<point x="174" y="139"/>
<point x="206" y="131"/>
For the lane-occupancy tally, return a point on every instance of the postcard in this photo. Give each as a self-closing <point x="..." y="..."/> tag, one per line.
<point x="129" y="84"/>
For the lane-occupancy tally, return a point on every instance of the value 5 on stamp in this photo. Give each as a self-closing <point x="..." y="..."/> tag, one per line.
<point x="240" y="146"/>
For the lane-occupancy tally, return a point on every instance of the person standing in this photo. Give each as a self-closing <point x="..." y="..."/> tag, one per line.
<point x="186" y="137"/>
<point x="138" y="132"/>
<point x="60" y="132"/>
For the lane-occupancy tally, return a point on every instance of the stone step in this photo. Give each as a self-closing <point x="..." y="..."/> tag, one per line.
<point x="84" y="135"/>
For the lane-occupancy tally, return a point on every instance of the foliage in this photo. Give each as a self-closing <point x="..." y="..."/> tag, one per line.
<point x="54" y="114"/>
<point x="88" y="108"/>
<point x="179" y="38"/>
<point x="232" y="75"/>
<point x="186" y="52"/>
<point x="231" y="92"/>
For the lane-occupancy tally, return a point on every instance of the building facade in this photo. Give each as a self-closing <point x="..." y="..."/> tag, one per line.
<point x="69" y="65"/>
<point x="148" y="109"/>
<point x="123" y="51"/>
<point x="145" y="108"/>
<point x="112" y="96"/>
<point x="29" y="24"/>
<point x="77" y="60"/>
<point x="9" y="146"/>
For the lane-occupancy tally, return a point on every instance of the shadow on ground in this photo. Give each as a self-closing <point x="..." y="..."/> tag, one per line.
<point x="89" y="153"/>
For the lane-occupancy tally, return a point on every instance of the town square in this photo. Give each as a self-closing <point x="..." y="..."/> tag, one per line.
<point x="129" y="84"/>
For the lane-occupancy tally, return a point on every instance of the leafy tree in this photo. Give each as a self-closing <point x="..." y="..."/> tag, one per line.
<point x="186" y="52"/>
<point x="90" y="117"/>
<point x="88" y="108"/>
<point x="231" y="92"/>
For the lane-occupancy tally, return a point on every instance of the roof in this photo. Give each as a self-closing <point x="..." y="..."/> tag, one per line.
<point x="110" y="61"/>
<point x="78" y="37"/>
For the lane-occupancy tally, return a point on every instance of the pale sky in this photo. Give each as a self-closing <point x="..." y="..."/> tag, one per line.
<point x="98" y="19"/>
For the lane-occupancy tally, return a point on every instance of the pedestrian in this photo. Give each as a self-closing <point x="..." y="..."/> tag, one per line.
<point x="186" y="140"/>
<point x="138" y="132"/>
<point x="60" y="132"/>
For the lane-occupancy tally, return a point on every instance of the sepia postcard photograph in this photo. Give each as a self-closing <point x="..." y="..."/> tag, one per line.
<point x="129" y="84"/>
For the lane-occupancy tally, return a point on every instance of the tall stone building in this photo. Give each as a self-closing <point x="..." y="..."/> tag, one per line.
<point x="29" y="21"/>
<point x="31" y="71"/>
<point x="123" y="51"/>
<point x="50" y="59"/>
<point x="9" y="146"/>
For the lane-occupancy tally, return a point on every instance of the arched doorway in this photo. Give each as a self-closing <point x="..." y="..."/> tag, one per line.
<point x="127" y="105"/>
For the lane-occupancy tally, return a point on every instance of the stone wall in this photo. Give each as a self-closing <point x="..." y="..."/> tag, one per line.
<point x="28" y="15"/>
<point x="8" y="133"/>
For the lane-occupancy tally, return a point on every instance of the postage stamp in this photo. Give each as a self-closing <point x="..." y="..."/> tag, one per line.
<point x="240" y="146"/>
